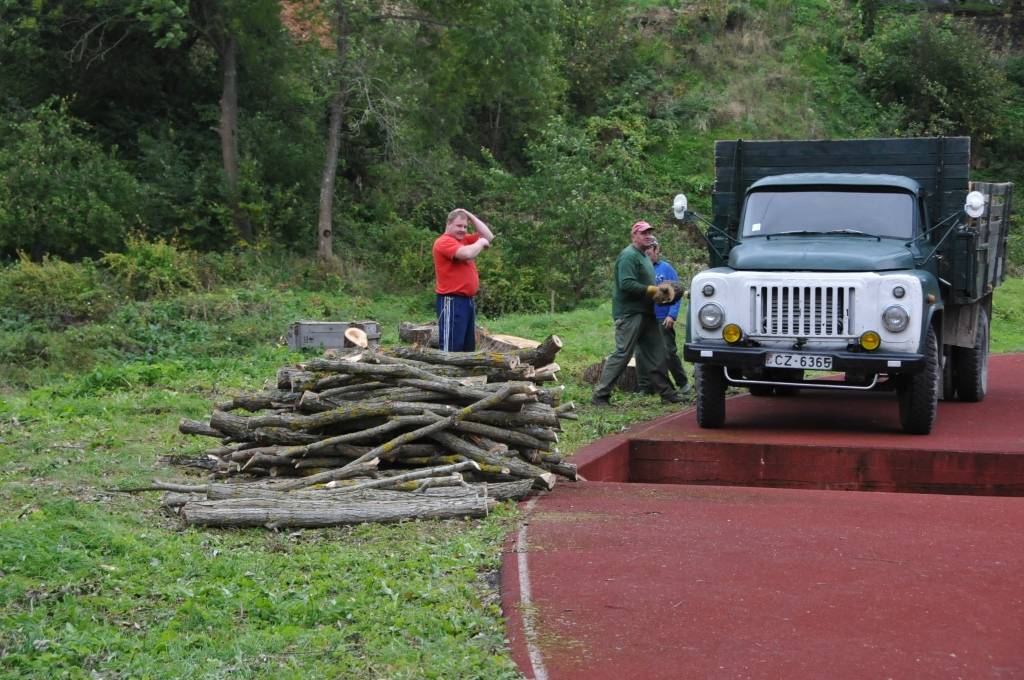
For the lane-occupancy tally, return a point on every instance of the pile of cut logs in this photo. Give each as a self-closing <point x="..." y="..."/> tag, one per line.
<point x="381" y="434"/>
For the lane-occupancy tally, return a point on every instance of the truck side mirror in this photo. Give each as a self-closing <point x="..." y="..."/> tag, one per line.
<point x="975" y="204"/>
<point x="679" y="205"/>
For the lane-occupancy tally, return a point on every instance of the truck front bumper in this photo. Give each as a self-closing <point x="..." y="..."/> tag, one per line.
<point x="845" y="361"/>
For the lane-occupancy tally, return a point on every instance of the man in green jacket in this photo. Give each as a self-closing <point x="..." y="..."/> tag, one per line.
<point x="636" y="328"/>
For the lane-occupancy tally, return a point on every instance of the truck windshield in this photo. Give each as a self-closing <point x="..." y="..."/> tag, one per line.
<point x="878" y="213"/>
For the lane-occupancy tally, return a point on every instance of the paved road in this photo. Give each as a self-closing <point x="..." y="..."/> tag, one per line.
<point x="620" y="580"/>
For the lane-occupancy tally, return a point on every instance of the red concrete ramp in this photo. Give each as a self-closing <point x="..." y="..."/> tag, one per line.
<point x="831" y="440"/>
<point x="618" y="580"/>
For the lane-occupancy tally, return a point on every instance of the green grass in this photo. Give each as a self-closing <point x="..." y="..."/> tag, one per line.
<point x="98" y="582"/>
<point x="1008" y="317"/>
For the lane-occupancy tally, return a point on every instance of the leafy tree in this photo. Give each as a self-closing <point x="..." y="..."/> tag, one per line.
<point x="491" y="72"/>
<point x="939" y="74"/>
<point x="595" y="51"/>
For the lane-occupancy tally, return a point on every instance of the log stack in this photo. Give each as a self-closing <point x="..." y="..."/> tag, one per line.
<point x="380" y="435"/>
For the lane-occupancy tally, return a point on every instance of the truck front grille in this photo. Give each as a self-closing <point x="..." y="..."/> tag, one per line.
<point x="802" y="311"/>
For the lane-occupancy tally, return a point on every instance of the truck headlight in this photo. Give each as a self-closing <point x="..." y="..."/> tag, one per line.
<point x="895" y="319"/>
<point x="710" y="316"/>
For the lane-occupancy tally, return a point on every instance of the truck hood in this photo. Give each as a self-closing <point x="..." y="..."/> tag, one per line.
<point x="821" y="253"/>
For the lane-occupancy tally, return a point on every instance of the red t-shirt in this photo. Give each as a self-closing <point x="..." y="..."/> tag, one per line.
<point x="453" y="276"/>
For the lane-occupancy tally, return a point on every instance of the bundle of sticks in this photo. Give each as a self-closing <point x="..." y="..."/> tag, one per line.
<point x="381" y="435"/>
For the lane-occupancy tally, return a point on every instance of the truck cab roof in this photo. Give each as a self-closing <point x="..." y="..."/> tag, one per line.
<point x="838" y="179"/>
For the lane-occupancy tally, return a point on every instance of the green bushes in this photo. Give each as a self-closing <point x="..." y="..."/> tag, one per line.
<point x="152" y="268"/>
<point x="60" y="193"/>
<point x="938" y="76"/>
<point x="54" y="291"/>
<point x="58" y="293"/>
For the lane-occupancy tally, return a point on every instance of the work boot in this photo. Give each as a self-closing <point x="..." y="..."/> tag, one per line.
<point x="597" y="400"/>
<point x="672" y="398"/>
<point x="686" y="390"/>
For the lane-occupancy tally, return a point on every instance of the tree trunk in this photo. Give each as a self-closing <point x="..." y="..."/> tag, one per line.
<point x="424" y="335"/>
<point x="229" y="132"/>
<point x="325" y="235"/>
<point x="464" y="359"/>
<point x="248" y="512"/>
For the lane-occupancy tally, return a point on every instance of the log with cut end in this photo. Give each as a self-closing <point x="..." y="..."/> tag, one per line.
<point x="424" y="335"/>
<point x="543" y="354"/>
<point x="567" y="470"/>
<point x="305" y="513"/>
<point x="187" y="426"/>
<point x="261" y="400"/>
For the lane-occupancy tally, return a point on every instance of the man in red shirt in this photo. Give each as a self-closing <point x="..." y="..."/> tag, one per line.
<point x="457" y="281"/>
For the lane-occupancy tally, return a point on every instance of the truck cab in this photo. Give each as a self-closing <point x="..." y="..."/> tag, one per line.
<point x="835" y="281"/>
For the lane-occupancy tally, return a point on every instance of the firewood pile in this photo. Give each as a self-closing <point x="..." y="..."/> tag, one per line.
<point x="378" y="435"/>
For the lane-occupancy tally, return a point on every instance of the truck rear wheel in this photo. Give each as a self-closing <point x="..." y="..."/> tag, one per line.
<point x="972" y="364"/>
<point x="919" y="395"/>
<point x="710" y="384"/>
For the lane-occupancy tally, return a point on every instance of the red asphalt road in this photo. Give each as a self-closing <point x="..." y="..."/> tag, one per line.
<point x="615" y="580"/>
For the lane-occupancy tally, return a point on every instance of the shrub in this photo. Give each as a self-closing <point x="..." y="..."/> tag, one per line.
<point x="60" y="192"/>
<point x="940" y="74"/>
<point x="152" y="268"/>
<point x="54" y="291"/>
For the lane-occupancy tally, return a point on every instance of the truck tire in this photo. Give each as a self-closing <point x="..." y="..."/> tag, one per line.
<point x="710" y="383"/>
<point x="972" y="364"/>
<point x="949" y="374"/>
<point x="919" y="395"/>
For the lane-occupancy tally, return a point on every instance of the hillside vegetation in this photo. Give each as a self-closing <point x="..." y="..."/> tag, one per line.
<point x="129" y="298"/>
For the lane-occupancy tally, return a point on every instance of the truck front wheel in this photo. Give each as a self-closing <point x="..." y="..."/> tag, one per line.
<point x="710" y="384"/>
<point x="972" y="364"/>
<point x="919" y="395"/>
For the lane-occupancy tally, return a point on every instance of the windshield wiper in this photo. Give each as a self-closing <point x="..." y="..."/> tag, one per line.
<point x="854" y="232"/>
<point x="798" y="232"/>
<point x="807" y="232"/>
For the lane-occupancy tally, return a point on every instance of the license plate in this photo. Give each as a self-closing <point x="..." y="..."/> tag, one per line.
<point x="814" y="362"/>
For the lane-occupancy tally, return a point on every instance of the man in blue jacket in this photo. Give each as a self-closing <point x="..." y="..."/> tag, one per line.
<point x="667" y="315"/>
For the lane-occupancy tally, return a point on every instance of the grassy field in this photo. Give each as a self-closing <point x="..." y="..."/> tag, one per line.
<point x="95" y="583"/>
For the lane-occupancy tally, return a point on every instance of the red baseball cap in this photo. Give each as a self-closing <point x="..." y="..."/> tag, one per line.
<point x="639" y="227"/>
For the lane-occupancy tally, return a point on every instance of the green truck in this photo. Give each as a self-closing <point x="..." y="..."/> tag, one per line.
<point x="853" y="265"/>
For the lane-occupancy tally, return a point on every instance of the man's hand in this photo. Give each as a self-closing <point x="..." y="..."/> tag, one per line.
<point x="669" y="322"/>
<point x="664" y="293"/>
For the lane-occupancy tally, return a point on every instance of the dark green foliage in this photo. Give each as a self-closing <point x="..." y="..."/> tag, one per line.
<point x="492" y="72"/>
<point x="61" y="192"/>
<point x="938" y="75"/>
<point x="556" y="121"/>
